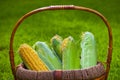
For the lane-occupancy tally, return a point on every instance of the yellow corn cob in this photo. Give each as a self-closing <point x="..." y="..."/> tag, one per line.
<point x="31" y="59"/>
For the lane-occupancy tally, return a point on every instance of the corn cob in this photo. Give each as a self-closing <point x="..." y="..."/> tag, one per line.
<point x="43" y="49"/>
<point x="70" y="54"/>
<point x="88" y="54"/>
<point x="31" y="59"/>
<point x="56" y="43"/>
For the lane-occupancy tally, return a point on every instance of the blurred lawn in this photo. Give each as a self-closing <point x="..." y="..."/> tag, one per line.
<point x="43" y="26"/>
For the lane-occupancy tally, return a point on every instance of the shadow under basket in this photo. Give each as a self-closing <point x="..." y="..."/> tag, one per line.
<point x="98" y="72"/>
<point x="93" y="73"/>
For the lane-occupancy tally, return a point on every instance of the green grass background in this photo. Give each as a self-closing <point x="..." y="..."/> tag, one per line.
<point x="42" y="26"/>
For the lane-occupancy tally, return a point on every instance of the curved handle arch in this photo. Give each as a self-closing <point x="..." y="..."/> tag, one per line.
<point x="60" y="7"/>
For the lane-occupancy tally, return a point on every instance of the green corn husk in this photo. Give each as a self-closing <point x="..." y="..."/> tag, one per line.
<point x="70" y="54"/>
<point x="49" y="56"/>
<point x="47" y="62"/>
<point x="56" y="42"/>
<point x="88" y="54"/>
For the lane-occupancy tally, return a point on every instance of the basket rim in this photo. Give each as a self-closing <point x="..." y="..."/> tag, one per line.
<point x="89" y="73"/>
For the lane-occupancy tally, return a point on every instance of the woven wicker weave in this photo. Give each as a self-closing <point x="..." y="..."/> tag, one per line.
<point x="97" y="72"/>
<point x="86" y="74"/>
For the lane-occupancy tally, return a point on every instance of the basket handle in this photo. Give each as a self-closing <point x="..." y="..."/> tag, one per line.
<point x="60" y="7"/>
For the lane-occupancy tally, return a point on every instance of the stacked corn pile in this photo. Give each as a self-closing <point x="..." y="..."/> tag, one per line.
<point x="63" y="54"/>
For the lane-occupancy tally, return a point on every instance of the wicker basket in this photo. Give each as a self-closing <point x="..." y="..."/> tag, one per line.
<point x="98" y="72"/>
